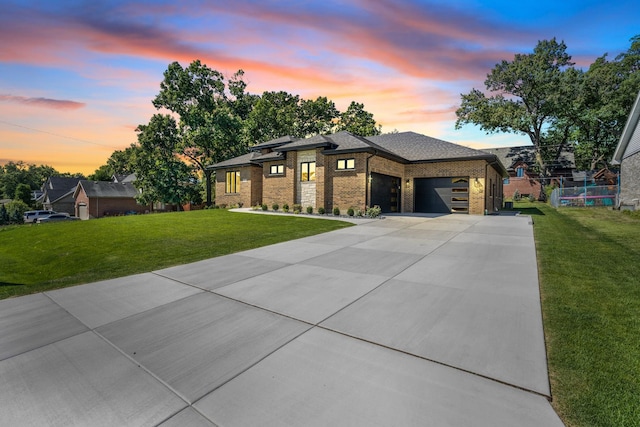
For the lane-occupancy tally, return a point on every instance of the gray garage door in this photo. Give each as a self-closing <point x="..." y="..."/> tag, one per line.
<point x="442" y="195"/>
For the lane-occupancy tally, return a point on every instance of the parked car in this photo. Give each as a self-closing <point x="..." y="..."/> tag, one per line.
<point x="57" y="217"/>
<point x="33" y="216"/>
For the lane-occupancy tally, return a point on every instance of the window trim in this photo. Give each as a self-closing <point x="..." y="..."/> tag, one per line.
<point x="279" y="169"/>
<point x="306" y="168"/>
<point x="345" y="164"/>
<point x="232" y="186"/>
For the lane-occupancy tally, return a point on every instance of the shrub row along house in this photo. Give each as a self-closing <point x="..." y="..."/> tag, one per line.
<point x="399" y="172"/>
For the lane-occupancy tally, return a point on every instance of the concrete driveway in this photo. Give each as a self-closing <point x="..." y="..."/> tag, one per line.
<point x="400" y="321"/>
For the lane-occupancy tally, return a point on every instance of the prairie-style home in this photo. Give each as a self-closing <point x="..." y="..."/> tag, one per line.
<point x="400" y="172"/>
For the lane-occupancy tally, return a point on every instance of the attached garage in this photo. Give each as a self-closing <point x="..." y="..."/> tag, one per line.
<point x="442" y="195"/>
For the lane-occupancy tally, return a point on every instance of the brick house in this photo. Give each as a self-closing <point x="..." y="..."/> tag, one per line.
<point x="57" y="194"/>
<point x="627" y="155"/>
<point x="401" y="172"/>
<point x="96" y="199"/>
<point x="520" y="162"/>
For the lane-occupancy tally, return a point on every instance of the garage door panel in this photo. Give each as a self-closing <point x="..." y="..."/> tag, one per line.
<point x="442" y="195"/>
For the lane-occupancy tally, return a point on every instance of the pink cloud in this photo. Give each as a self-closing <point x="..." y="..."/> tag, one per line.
<point x="57" y="104"/>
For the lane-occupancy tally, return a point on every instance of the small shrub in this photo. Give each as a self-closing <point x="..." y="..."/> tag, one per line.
<point x="256" y="207"/>
<point x="350" y="212"/>
<point x="296" y="212"/>
<point x="223" y="206"/>
<point x="285" y="207"/>
<point x="297" y="207"/>
<point x="15" y="211"/>
<point x="516" y="196"/>
<point x="532" y="198"/>
<point x="264" y="207"/>
<point x="240" y="204"/>
<point x="309" y="210"/>
<point x="275" y="207"/>
<point x="373" y="212"/>
<point x="321" y="211"/>
<point x="336" y="211"/>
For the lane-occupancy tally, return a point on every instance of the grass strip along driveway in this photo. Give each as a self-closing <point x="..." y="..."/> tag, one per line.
<point x="39" y="257"/>
<point x="589" y="261"/>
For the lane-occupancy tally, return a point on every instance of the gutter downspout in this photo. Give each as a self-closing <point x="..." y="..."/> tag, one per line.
<point x="367" y="185"/>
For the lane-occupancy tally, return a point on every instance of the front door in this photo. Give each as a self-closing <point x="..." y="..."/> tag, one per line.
<point x="385" y="192"/>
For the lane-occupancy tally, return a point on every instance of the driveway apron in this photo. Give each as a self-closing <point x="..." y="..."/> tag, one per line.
<point x="405" y="321"/>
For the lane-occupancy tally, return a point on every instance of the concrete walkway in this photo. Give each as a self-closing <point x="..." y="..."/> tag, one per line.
<point x="404" y="321"/>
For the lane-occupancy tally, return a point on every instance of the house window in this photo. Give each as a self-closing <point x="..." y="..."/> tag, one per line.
<point x="232" y="182"/>
<point x="276" y="170"/>
<point x="308" y="171"/>
<point x="346" y="164"/>
<point x="520" y="172"/>
<point x="505" y="181"/>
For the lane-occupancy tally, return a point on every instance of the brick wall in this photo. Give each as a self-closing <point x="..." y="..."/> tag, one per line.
<point x="280" y="189"/>
<point x="474" y="169"/>
<point x="98" y="207"/>
<point x="347" y="187"/>
<point x="250" y="187"/>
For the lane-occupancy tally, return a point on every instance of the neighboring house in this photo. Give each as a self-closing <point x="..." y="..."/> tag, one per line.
<point x="124" y="178"/>
<point x="401" y="172"/>
<point x="627" y="155"/>
<point x="520" y="161"/>
<point x="95" y="199"/>
<point x="57" y="194"/>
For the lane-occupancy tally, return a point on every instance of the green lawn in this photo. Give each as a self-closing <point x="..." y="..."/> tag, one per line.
<point x="35" y="258"/>
<point x="589" y="261"/>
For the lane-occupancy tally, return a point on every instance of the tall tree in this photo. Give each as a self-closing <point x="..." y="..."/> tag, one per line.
<point x="121" y="162"/>
<point x="529" y="96"/>
<point x="24" y="194"/>
<point x="274" y="114"/>
<point x="604" y="101"/>
<point x="358" y="121"/>
<point x="209" y="120"/>
<point x="315" y="117"/>
<point x="15" y="173"/>
<point x="160" y="174"/>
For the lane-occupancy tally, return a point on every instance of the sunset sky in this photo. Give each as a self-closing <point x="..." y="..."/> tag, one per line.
<point x="77" y="77"/>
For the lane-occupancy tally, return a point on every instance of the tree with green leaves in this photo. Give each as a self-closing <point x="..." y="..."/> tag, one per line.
<point x="160" y="174"/>
<point x="4" y="215"/>
<point x="530" y="94"/>
<point x="358" y="121"/>
<point x="605" y="98"/>
<point x="14" y="173"/>
<point x="121" y="162"/>
<point x="24" y="194"/>
<point x="210" y="117"/>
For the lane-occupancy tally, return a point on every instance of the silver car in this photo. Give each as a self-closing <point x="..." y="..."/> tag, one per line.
<point x="33" y="216"/>
<point x="57" y="217"/>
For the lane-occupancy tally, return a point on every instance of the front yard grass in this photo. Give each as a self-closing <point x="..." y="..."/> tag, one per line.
<point x="36" y="258"/>
<point x="589" y="266"/>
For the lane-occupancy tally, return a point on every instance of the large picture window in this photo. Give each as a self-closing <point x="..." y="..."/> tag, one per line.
<point x="344" y="164"/>
<point x="276" y="170"/>
<point x="308" y="171"/>
<point x="232" y="182"/>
